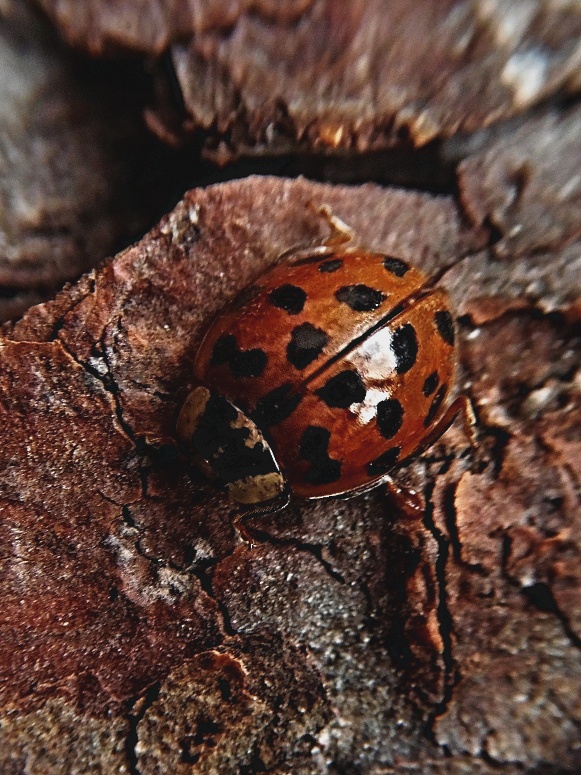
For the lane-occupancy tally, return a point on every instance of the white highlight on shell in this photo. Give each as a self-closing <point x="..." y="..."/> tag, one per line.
<point x="375" y="357"/>
<point x="368" y="409"/>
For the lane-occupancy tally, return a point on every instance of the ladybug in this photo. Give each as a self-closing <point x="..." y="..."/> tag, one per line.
<point x="327" y="372"/>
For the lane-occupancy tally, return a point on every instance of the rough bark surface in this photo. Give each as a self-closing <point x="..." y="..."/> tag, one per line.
<point x="264" y="77"/>
<point x="139" y="635"/>
<point x="526" y="185"/>
<point x="151" y="26"/>
<point x="71" y="150"/>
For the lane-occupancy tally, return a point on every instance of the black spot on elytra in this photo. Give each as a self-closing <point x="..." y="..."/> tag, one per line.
<point x="224" y="348"/>
<point x="306" y="344"/>
<point x="288" y="297"/>
<point x="405" y="348"/>
<point x="389" y="417"/>
<point x="430" y="384"/>
<point x="331" y="265"/>
<point x="445" y="325"/>
<point x="435" y="405"/>
<point x="276" y="406"/>
<point x="343" y="389"/>
<point x="395" y="266"/>
<point x="243" y="363"/>
<point x="314" y="448"/>
<point x="360" y="298"/>
<point x="384" y="463"/>
<point x="224" y="447"/>
<point x="249" y="363"/>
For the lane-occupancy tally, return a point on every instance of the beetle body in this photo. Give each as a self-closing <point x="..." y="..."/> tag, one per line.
<point x="332" y="368"/>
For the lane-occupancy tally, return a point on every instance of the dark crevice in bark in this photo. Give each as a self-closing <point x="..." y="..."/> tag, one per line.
<point x="144" y="703"/>
<point x="430" y="168"/>
<point x="316" y="550"/>
<point x="111" y="387"/>
<point x="501" y="439"/>
<point x="201" y="573"/>
<point x="449" y="508"/>
<point x="205" y="580"/>
<point x="130" y="522"/>
<point x="107" y="382"/>
<point x="392" y="167"/>
<point x="445" y="621"/>
<point x="113" y="502"/>
<point x="371" y="615"/>
<point x="541" y="596"/>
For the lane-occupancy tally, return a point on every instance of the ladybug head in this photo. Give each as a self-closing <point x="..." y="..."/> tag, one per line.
<point x="227" y="445"/>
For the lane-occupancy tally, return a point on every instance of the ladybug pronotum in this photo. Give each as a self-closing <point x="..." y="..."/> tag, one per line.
<point x="321" y="377"/>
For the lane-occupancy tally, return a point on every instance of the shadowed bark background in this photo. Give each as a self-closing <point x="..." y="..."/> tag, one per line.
<point x="137" y="634"/>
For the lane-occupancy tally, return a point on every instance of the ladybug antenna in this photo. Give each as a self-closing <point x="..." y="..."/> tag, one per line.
<point x="340" y="231"/>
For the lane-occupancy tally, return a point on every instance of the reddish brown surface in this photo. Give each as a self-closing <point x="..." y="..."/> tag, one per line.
<point x="260" y="320"/>
<point x="137" y="632"/>
<point x="355" y="437"/>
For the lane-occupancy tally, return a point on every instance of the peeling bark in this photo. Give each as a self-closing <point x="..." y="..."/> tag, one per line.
<point x="72" y="151"/>
<point x="261" y="77"/>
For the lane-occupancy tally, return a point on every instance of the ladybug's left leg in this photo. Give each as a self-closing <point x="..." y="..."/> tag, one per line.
<point x="240" y="519"/>
<point x="239" y="525"/>
<point x="340" y="235"/>
<point x="462" y="405"/>
<point x="408" y="500"/>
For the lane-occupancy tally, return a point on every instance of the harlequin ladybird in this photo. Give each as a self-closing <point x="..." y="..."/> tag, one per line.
<point x="322" y="376"/>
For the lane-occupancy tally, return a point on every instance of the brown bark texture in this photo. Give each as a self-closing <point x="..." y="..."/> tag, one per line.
<point x="138" y="634"/>
<point x="262" y="77"/>
<point x="71" y="154"/>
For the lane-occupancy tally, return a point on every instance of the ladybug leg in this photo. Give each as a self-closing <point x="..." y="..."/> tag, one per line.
<point x="462" y="405"/>
<point x="407" y="500"/>
<point x="239" y="520"/>
<point x="469" y="420"/>
<point x="245" y="535"/>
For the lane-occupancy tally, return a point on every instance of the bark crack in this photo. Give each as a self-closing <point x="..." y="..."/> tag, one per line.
<point x="139" y="708"/>
<point x="445" y="621"/>
<point x="315" y="550"/>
